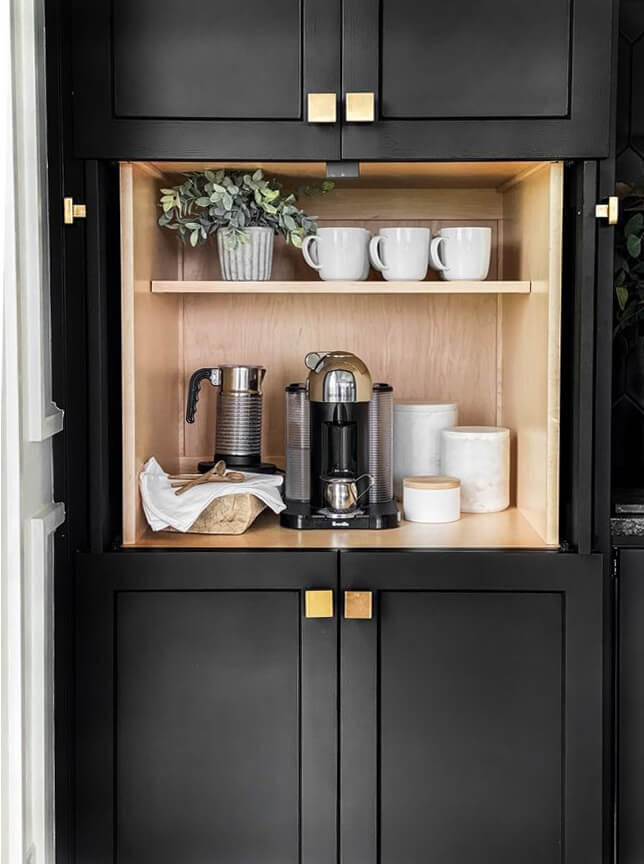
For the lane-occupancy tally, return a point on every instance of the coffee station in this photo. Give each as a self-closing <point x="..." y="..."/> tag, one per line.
<point x="436" y="314"/>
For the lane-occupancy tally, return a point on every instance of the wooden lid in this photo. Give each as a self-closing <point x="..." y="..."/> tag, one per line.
<point x="432" y="481"/>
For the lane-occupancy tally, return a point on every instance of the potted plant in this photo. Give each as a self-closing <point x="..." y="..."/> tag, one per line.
<point x="244" y="210"/>
<point x="628" y="346"/>
<point x="629" y="265"/>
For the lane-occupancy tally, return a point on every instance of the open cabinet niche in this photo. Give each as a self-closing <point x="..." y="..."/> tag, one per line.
<point x="492" y="346"/>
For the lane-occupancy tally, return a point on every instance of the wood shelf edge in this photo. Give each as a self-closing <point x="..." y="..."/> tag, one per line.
<point x="318" y="287"/>
<point x="508" y="529"/>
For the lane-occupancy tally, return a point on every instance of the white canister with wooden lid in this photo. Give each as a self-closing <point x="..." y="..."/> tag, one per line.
<point x="431" y="499"/>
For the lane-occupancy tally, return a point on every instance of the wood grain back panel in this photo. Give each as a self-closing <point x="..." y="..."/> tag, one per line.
<point x="434" y="347"/>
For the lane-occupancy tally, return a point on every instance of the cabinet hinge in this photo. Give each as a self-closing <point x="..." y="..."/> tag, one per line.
<point x="73" y="211"/>
<point x="609" y="211"/>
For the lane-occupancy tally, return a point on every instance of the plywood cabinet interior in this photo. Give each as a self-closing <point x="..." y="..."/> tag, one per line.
<point x="496" y="354"/>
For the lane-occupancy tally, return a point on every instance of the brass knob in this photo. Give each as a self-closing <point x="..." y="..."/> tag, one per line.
<point x="73" y="211"/>
<point x="321" y="108"/>
<point x="318" y="604"/>
<point x="608" y="211"/>
<point x="358" y="604"/>
<point x="360" y="107"/>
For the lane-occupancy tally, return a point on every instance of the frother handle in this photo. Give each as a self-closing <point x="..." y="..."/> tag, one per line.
<point x="213" y="375"/>
<point x="364" y="491"/>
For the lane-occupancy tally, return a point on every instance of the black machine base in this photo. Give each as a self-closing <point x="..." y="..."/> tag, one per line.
<point x="371" y="516"/>
<point x="252" y="467"/>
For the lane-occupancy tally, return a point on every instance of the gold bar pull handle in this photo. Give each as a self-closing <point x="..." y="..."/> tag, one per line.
<point x="321" y="107"/>
<point x="609" y="211"/>
<point x="358" y="604"/>
<point x="360" y="107"/>
<point x="318" y="604"/>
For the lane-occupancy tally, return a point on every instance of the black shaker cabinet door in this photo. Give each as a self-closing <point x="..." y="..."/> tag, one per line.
<point x="630" y="769"/>
<point x="203" y="78"/>
<point x="207" y="710"/>
<point x="471" y="709"/>
<point x="490" y="79"/>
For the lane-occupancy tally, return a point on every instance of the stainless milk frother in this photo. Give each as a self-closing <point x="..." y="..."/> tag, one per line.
<point x="238" y="436"/>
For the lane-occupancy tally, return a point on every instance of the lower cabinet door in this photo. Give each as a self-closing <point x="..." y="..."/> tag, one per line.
<point x="630" y="707"/>
<point x="471" y="722"/>
<point x="207" y="709"/>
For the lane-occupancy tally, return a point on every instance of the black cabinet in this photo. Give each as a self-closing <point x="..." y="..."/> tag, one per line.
<point x="630" y="725"/>
<point x="495" y="78"/>
<point x="461" y="722"/>
<point x="471" y="709"/>
<point x="203" y="78"/>
<point x="207" y="707"/>
<point x="459" y="80"/>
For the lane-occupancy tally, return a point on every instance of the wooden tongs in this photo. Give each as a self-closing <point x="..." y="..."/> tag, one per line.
<point x="217" y="474"/>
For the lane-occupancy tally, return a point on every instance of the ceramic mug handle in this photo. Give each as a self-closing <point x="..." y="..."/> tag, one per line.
<point x="434" y="256"/>
<point x="374" y="252"/>
<point x="308" y="252"/>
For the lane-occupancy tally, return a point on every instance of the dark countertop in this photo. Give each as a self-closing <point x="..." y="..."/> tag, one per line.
<point x="627" y="526"/>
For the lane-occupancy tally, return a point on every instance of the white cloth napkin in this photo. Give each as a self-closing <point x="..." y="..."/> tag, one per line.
<point x="163" y="509"/>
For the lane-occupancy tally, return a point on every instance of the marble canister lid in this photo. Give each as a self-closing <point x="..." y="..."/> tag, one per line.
<point x="420" y="407"/>
<point x="476" y="432"/>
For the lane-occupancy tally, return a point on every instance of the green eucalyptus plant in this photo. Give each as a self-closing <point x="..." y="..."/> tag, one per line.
<point x="629" y="264"/>
<point x="231" y="202"/>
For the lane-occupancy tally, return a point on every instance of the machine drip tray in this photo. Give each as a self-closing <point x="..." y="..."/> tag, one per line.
<point x="299" y="515"/>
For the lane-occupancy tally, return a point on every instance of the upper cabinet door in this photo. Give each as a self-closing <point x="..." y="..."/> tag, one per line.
<point x="204" y="78"/>
<point x="490" y="79"/>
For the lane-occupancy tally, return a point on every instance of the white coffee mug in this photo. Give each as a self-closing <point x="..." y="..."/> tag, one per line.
<point x="338" y="253"/>
<point x="401" y="253"/>
<point x="461" y="253"/>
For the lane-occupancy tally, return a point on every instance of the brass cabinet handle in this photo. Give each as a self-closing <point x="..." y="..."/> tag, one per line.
<point x="73" y="211"/>
<point x="358" y="604"/>
<point x="360" y="107"/>
<point x="322" y="107"/>
<point x="318" y="604"/>
<point x="608" y="211"/>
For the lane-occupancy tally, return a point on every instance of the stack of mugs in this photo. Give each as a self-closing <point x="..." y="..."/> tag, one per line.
<point x="400" y="254"/>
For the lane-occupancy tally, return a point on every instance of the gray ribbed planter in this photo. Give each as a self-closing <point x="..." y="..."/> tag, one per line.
<point x="249" y="262"/>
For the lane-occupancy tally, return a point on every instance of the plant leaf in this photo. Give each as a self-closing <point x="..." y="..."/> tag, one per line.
<point x="634" y="245"/>
<point x="622" y="296"/>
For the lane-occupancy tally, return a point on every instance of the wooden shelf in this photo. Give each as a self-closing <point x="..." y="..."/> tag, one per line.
<point x="320" y="287"/>
<point x="506" y="530"/>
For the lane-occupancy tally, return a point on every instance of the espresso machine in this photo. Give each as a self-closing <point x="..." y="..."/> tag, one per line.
<point x="329" y="438"/>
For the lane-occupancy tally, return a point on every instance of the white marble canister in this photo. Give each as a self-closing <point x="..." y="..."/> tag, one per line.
<point x="480" y="457"/>
<point x="417" y="441"/>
